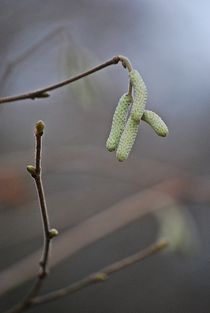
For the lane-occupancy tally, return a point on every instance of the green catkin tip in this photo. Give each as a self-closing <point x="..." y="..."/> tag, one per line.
<point x="127" y="139"/>
<point x="118" y="122"/>
<point x="157" y="124"/>
<point x="140" y="95"/>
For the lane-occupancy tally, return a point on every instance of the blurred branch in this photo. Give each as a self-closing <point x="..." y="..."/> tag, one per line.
<point x="12" y="63"/>
<point x="43" y="93"/>
<point x="35" y="172"/>
<point x="104" y="273"/>
<point x="101" y="224"/>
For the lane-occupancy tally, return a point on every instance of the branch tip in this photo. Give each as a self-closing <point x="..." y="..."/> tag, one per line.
<point x="126" y="63"/>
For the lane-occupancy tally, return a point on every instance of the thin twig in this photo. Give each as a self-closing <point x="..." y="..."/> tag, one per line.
<point x="43" y="207"/>
<point x="103" y="274"/>
<point x="48" y="234"/>
<point x="43" y="93"/>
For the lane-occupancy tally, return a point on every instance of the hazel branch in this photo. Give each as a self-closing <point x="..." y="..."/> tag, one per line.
<point x="44" y="92"/>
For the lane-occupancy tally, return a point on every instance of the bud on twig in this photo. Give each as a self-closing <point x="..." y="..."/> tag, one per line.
<point x="42" y="95"/>
<point x="100" y="276"/>
<point x="32" y="170"/>
<point x="39" y="128"/>
<point x="53" y="233"/>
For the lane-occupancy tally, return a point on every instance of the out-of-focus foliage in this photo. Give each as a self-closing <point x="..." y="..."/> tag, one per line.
<point x="178" y="226"/>
<point x="72" y="60"/>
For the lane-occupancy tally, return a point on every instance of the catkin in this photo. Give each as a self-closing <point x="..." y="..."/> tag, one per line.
<point x="140" y="95"/>
<point x="118" y="122"/>
<point x="156" y="123"/>
<point x="127" y="139"/>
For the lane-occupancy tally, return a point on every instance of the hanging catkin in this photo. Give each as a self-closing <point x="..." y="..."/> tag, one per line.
<point x="118" y="122"/>
<point x="127" y="139"/>
<point x="155" y="121"/>
<point x="140" y="95"/>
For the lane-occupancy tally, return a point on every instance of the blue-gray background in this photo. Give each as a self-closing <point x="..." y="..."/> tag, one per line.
<point x="42" y="42"/>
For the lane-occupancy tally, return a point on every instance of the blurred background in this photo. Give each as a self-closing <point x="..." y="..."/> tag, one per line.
<point x="103" y="209"/>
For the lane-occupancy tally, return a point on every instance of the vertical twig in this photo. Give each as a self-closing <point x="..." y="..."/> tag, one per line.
<point x="43" y="207"/>
<point x="35" y="172"/>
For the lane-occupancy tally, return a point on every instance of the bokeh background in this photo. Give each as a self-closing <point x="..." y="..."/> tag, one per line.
<point x="43" y="42"/>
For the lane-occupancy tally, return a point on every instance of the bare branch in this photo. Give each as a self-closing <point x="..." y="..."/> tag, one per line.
<point x="43" y="93"/>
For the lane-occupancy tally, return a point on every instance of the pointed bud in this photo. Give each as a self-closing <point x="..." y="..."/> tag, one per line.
<point x="39" y="128"/>
<point x="42" y="95"/>
<point x="31" y="169"/>
<point x="53" y="233"/>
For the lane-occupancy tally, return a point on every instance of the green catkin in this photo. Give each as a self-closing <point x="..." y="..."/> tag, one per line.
<point x="156" y="123"/>
<point x="118" y="122"/>
<point x="127" y="139"/>
<point x="140" y="95"/>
